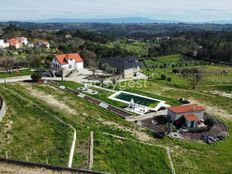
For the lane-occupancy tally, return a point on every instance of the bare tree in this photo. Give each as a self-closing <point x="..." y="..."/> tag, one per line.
<point x="5" y="65"/>
<point x="93" y="64"/>
<point x="194" y="74"/>
<point x="109" y="69"/>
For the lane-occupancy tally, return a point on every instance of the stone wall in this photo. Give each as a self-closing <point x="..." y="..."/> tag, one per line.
<point x="128" y="73"/>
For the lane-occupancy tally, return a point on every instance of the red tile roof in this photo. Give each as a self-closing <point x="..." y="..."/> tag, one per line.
<point x="13" y="41"/>
<point x="191" y="117"/>
<point x="62" y="58"/>
<point x="186" y="108"/>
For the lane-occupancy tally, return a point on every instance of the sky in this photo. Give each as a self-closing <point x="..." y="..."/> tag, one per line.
<point x="180" y="10"/>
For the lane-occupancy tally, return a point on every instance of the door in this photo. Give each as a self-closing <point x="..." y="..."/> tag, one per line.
<point x="192" y="123"/>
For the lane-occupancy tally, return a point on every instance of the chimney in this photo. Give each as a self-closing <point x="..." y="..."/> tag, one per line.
<point x="194" y="107"/>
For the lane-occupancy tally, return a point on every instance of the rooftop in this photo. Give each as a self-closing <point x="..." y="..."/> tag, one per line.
<point x="13" y="41"/>
<point x="121" y="62"/>
<point x="186" y="108"/>
<point x="62" y="58"/>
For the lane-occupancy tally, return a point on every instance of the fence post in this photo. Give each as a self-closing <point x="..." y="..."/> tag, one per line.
<point x="6" y="155"/>
<point x="91" y="150"/>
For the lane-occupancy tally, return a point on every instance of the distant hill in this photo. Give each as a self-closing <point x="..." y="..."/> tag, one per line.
<point x="105" y="20"/>
<point x="223" y="22"/>
<point x="121" y="20"/>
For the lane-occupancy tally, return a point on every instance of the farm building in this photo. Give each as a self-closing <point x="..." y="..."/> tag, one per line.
<point x="192" y="114"/>
<point x="126" y="66"/>
<point x="67" y="63"/>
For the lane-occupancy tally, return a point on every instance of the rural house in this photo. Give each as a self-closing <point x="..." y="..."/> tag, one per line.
<point x="126" y="66"/>
<point x="3" y="44"/>
<point x="67" y="63"/>
<point x="192" y="114"/>
<point x="42" y="44"/>
<point x="18" y="42"/>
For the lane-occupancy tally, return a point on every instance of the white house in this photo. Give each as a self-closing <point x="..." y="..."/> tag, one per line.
<point x="67" y="63"/>
<point x="18" y="42"/>
<point x="3" y="44"/>
<point x="23" y="40"/>
<point x="192" y="114"/>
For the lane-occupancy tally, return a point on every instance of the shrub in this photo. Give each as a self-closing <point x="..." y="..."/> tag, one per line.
<point x="169" y="79"/>
<point x="175" y="71"/>
<point x="209" y="122"/>
<point x="163" y="77"/>
<point x="36" y="76"/>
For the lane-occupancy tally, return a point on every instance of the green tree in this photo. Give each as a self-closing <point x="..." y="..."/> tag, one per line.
<point x="36" y="76"/>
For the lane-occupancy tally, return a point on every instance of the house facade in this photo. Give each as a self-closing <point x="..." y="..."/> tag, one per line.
<point x="3" y="44"/>
<point x="128" y="67"/>
<point x="191" y="113"/>
<point x="67" y="63"/>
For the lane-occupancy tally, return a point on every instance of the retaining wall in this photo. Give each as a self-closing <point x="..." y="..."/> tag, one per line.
<point x="47" y="166"/>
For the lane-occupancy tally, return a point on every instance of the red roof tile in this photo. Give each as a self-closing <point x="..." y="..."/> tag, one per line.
<point x="63" y="57"/>
<point x="186" y="108"/>
<point x="191" y="117"/>
<point x="13" y="41"/>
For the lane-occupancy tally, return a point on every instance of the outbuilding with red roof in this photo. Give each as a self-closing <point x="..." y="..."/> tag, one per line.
<point x="192" y="114"/>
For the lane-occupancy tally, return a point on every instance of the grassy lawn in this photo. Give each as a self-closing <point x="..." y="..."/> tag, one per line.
<point x="117" y="156"/>
<point x="71" y="84"/>
<point x="16" y="73"/>
<point x="26" y="130"/>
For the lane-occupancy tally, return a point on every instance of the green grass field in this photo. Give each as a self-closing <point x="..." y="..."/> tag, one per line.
<point x="28" y="131"/>
<point x="16" y="73"/>
<point x="125" y="156"/>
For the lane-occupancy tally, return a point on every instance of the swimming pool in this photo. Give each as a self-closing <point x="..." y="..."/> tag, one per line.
<point x="126" y="97"/>
<point x="137" y="99"/>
